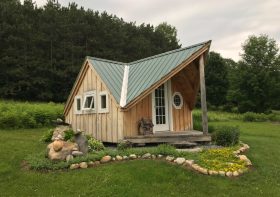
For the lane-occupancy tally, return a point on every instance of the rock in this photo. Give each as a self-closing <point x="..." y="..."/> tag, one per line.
<point x="246" y="146"/>
<point x="240" y="171"/>
<point x="106" y="159"/>
<point x="57" y="145"/>
<point x="153" y="157"/>
<point x="113" y="159"/>
<point x="82" y="142"/>
<point x="75" y="148"/>
<point x="189" y="162"/>
<point x="62" y="154"/>
<point x="76" y="153"/>
<point x="202" y="170"/>
<point x="191" y="150"/>
<point x="146" y="156"/>
<point x="212" y="172"/>
<point x="90" y="164"/>
<point x="222" y="173"/>
<point x="229" y="174"/>
<point x="159" y="156"/>
<point x="180" y="160"/>
<point x="242" y="149"/>
<point x="245" y="158"/>
<point x="195" y="167"/>
<point x="83" y="165"/>
<point x="169" y="158"/>
<point x="74" y="166"/>
<point x="132" y="156"/>
<point x="69" y="158"/>
<point x="119" y="158"/>
<point x="59" y="132"/>
<point x="96" y="163"/>
<point x="125" y="157"/>
<point x="235" y="173"/>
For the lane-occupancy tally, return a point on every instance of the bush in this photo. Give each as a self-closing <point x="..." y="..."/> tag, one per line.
<point x="94" y="144"/>
<point x="28" y="115"/>
<point x="226" y="135"/>
<point x="123" y="145"/>
<point x="69" y="135"/>
<point x="47" y="136"/>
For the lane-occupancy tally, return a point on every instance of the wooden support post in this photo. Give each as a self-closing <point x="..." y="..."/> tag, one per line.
<point x="203" y="95"/>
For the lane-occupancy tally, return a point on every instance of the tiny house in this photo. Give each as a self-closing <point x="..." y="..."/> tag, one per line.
<point x="109" y="98"/>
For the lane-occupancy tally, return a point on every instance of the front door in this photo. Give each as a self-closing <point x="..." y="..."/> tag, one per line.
<point x="160" y="109"/>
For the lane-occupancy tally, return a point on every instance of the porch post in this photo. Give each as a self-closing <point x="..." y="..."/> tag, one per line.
<point x="203" y="95"/>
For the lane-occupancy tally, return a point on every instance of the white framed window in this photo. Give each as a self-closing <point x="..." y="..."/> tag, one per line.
<point x="103" y="104"/>
<point x="78" y="104"/>
<point x="89" y="104"/>
<point x="177" y="100"/>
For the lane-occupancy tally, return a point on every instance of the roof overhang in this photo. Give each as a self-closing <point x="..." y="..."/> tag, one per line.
<point x="203" y="51"/>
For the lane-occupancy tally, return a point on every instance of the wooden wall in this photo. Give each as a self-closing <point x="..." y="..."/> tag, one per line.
<point x="143" y="109"/>
<point x="182" y="118"/>
<point x="107" y="127"/>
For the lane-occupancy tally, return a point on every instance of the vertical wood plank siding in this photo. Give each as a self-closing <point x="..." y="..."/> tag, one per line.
<point x="107" y="127"/>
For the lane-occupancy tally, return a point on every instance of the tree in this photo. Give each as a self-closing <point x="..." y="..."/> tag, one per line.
<point x="216" y="79"/>
<point x="43" y="48"/>
<point x="257" y="84"/>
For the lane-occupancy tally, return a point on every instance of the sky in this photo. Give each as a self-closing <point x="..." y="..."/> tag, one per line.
<point x="228" y="23"/>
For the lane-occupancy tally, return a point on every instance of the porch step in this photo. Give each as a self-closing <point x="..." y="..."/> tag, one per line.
<point x="184" y="144"/>
<point x="187" y="137"/>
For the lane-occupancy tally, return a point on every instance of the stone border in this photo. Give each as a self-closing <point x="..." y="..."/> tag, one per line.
<point x="179" y="161"/>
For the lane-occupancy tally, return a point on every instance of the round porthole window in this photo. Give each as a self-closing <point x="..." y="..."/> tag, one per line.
<point x="177" y="100"/>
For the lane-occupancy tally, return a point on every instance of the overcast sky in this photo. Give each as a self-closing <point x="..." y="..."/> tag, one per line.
<point x="226" y="22"/>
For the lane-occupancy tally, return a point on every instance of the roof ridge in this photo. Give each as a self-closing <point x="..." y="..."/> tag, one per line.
<point x="106" y="60"/>
<point x="168" y="52"/>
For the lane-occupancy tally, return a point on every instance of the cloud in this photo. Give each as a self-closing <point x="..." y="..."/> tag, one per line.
<point x="227" y="23"/>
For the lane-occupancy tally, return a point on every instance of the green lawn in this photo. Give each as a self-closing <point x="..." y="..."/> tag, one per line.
<point x="141" y="178"/>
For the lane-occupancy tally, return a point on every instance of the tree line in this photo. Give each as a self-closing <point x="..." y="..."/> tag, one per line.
<point x="42" y="50"/>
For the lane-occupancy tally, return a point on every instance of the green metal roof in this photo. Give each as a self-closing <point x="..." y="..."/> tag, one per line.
<point x="142" y="73"/>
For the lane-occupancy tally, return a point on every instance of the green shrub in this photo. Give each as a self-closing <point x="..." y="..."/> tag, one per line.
<point x="254" y="117"/>
<point x="122" y="145"/>
<point x="28" y="115"/>
<point x="69" y="135"/>
<point x="226" y="135"/>
<point x="95" y="145"/>
<point x="47" y="136"/>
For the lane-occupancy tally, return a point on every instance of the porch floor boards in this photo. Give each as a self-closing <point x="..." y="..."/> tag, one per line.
<point x="170" y="137"/>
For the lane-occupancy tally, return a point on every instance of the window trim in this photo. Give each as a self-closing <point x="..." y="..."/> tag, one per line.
<point x="75" y="104"/>
<point x="103" y="110"/>
<point x="181" y="98"/>
<point x="88" y="94"/>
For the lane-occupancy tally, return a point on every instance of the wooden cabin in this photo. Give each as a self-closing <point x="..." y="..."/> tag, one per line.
<point x="109" y="98"/>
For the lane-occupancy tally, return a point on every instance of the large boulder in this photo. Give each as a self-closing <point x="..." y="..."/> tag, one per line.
<point x="58" y="133"/>
<point x="57" y="145"/>
<point x="62" y="153"/>
<point x="82" y="142"/>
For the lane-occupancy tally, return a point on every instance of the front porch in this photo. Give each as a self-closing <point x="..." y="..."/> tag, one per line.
<point x="183" y="137"/>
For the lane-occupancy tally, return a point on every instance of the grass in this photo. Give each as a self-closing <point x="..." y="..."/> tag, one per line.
<point x="140" y="178"/>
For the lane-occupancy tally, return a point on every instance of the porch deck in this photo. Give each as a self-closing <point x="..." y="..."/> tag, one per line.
<point x="170" y="137"/>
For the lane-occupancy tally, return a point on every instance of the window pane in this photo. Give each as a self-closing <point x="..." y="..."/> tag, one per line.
<point x="78" y="104"/>
<point x="93" y="104"/>
<point x="88" y="101"/>
<point x="103" y="102"/>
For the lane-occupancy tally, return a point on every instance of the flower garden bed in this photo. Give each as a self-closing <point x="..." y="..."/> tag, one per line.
<point x="228" y="162"/>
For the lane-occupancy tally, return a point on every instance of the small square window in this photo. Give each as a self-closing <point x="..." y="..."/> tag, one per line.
<point x="103" y="102"/>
